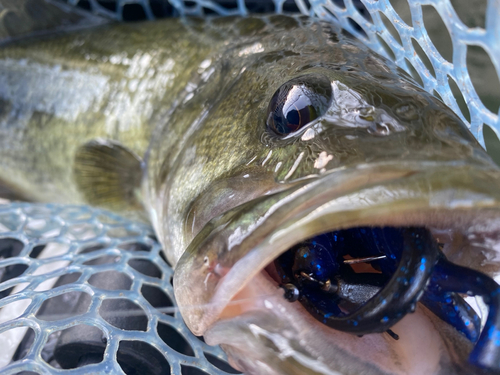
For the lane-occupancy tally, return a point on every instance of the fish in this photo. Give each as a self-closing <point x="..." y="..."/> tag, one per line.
<point x="324" y="214"/>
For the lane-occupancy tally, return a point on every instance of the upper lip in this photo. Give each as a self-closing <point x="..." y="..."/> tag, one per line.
<point x="385" y="194"/>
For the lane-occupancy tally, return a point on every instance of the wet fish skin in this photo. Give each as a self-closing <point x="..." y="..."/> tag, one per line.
<point x="190" y="99"/>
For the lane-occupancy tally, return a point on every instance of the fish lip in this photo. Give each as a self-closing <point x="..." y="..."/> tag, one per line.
<point x="319" y="204"/>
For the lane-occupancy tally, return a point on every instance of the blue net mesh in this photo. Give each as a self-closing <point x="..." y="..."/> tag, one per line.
<point x="59" y="300"/>
<point x="407" y="36"/>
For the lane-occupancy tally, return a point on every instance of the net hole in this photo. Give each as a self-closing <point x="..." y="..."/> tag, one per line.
<point x="124" y="314"/>
<point x="414" y="73"/>
<point x="436" y="94"/>
<point x="82" y="232"/>
<point x="43" y="228"/>
<point x="107" y="259"/>
<point x="390" y="27"/>
<point x="174" y="339"/>
<point x="402" y="9"/>
<point x="79" y="346"/>
<point x="209" y="11"/>
<point x="386" y="48"/>
<point x="220" y="364"/>
<point x="50" y="250"/>
<point x="492" y="143"/>
<point x="110" y="280"/>
<point x="133" y="12"/>
<point x="289" y="6"/>
<point x="108" y="4"/>
<point x="338" y="3"/>
<point x="58" y="281"/>
<point x="357" y="27"/>
<point x="188" y="370"/>
<point x="140" y="358"/>
<point x="362" y="10"/>
<point x="484" y="77"/>
<point x="438" y="33"/>
<point x="50" y="267"/>
<point x="157" y="298"/>
<point x="161" y="8"/>
<point x="135" y="246"/>
<point x="12" y="271"/>
<point x="10" y="247"/>
<point x="92" y="248"/>
<point x="459" y="98"/>
<point x="12" y="290"/>
<point x="13" y="310"/>
<point x="164" y="258"/>
<point x="423" y="56"/>
<point x="37" y="250"/>
<point x="63" y="306"/>
<point x="146" y="267"/>
<point x="12" y="344"/>
<point x="471" y="15"/>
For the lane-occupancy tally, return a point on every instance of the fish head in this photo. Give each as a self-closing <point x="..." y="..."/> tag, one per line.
<point x="311" y="133"/>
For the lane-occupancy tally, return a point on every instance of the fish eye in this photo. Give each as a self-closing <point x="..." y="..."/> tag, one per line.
<point x="298" y="102"/>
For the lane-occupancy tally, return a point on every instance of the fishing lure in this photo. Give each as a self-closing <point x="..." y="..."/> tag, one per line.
<point x="405" y="265"/>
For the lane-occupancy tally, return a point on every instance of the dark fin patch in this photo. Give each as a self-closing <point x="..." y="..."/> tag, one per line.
<point x="108" y="175"/>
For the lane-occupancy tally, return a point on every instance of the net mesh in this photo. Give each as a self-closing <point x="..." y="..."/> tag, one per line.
<point x="59" y="300"/>
<point x="452" y="48"/>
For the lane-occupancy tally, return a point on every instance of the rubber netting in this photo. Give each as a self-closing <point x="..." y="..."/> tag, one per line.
<point x="83" y="287"/>
<point x="450" y="47"/>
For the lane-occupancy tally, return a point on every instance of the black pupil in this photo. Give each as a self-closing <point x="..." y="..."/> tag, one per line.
<point x="298" y="102"/>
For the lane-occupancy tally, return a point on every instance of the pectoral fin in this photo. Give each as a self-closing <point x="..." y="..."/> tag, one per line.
<point x="108" y="175"/>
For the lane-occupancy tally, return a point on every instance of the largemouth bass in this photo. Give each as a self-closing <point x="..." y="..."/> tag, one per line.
<point x="323" y="213"/>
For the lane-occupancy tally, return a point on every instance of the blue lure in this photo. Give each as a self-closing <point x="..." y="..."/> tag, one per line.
<point x="364" y="280"/>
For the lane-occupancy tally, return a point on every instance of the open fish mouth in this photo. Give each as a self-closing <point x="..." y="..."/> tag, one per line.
<point x="418" y="233"/>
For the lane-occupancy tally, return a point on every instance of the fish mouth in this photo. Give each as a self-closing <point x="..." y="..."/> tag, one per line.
<point x="233" y="255"/>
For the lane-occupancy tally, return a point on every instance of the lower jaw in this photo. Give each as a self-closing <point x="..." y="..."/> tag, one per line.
<point x="265" y="334"/>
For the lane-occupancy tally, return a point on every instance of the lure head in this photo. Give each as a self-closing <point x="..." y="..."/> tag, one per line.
<point x="300" y="133"/>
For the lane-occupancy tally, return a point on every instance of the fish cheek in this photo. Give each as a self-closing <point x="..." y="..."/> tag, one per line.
<point x="241" y="186"/>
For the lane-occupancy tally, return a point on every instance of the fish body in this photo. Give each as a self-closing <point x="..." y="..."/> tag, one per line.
<point x="183" y="120"/>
